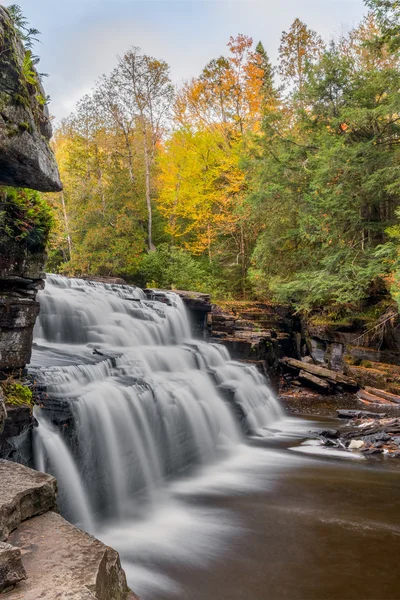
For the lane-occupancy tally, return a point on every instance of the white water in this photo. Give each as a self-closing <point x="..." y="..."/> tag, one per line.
<point x="151" y="407"/>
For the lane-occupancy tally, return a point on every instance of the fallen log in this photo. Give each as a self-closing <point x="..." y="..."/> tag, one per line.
<point x="370" y="397"/>
<point x="314" y="381"/>
<point x="322" y="372"/>
<point x="383" y="394"/>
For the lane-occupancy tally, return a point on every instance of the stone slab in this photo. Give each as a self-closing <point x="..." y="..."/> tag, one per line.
<point x="63" y="563"/>
<point x="24" y="493"/>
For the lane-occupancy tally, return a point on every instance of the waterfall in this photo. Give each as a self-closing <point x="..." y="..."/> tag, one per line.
<point x="130" y="400"/>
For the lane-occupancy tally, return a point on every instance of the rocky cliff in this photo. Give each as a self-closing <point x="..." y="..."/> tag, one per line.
<point x="26" y="159"/>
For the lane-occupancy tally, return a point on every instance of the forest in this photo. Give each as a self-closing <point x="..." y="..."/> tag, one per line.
<point x="251" y="180"/>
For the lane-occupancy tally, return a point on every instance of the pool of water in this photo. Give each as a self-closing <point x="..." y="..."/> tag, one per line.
<point x="270" y="523"/>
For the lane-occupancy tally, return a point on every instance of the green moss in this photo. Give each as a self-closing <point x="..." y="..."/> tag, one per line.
<point x="25" y="127"/>
<point x="16" y="394"/>
<point x="367" y="364"/>
<point x="25" y="217"/>
<point x="20" y="78"/>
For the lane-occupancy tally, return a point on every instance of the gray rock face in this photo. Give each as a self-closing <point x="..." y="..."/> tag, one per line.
<point x="3" y="413"/>
<point x="24" y="494"/>
<point x="16" y="440"/>
<point x="11" y="567"/>
<point x="21" y="275"/>
<point x="63" y="562"/>
<point x="26" y="159"/>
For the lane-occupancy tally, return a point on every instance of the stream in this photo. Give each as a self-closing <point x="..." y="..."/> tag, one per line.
<point x="139" y="423"/>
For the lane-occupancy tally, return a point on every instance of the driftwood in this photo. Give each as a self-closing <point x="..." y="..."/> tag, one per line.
<point x="322" y="372"/>
<point x="315" y="381"/>
<point x="375" y="399"/>
<point x="383" y="394"/>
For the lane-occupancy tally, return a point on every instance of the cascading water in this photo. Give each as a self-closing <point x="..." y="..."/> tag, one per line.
<point x="130" y="400"/>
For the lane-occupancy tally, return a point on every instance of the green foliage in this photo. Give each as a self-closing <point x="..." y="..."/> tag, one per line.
<point x="25" y="217"/>
<point x="173" y="268"/>
<point x="27" y="34"/>
<point x="28" y="70"/>
<point x="387" y="13"/>
<point x="328" y="184"/>
<point x="15" y="393"/>
<point x="288" y="194"/>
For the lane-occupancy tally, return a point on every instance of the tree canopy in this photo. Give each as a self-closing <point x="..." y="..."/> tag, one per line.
<point x="252" y="179"/>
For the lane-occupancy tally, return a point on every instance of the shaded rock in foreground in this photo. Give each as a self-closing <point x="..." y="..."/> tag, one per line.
<point x="26" y="159"/>
<point x="62" y="561"/>
<point x="11" y="568"/>
<point x="24" y="494"/>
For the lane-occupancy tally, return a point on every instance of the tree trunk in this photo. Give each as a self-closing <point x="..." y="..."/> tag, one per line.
<point x="66" y="223"/>
<point x="147" y="162"/>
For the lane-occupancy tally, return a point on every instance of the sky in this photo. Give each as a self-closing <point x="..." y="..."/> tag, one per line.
<point x="81" y="39"/>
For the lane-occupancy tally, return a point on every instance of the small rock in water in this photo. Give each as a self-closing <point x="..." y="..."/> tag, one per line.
<point x="328" y="433"/>
<point x="356" y="444"/>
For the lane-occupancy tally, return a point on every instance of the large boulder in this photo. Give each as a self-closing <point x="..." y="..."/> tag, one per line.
<point x="26" y="159"/>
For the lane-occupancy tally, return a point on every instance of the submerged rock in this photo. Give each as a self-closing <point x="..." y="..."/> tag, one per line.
<point x="26" y="159"/>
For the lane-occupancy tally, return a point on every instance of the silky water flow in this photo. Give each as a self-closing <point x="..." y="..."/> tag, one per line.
<point x="134" y="410"/>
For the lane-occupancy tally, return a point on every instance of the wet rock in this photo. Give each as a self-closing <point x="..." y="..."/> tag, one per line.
<point x="24" y="494"/>
<point x="110" y="280"/>
<point x="372" y="451"/>
<point x="377" y="437"/>
<point x="62" y="561"/>
<point x="16" y="438"/>
<point x="11" y="568"/>
<point x="358" y="414"/>
<point x="328" y="433"/>
<point x="26" y="159"/>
